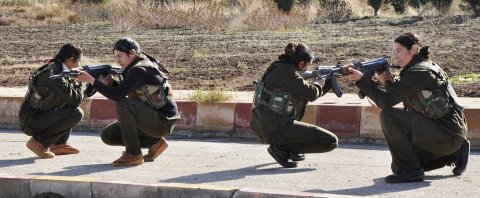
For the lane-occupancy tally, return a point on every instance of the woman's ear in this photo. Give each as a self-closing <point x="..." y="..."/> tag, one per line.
<point x="415" y="49"/>
<point x="133" y="52"/>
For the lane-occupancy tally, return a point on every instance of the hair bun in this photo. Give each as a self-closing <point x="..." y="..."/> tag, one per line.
<point x="291" y="48"/>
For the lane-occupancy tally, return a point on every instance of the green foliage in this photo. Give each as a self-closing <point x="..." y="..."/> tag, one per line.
<point x="376" y="4"/>
<point x="285" y="5"/>
<point x="465" y="79"/>
<point x="210" y="96"/>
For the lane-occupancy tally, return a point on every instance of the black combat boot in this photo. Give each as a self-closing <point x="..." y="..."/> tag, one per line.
<point x="461" y="158"/>
<point x="297" y="157"/>
<point x="282" y="157"/>
<point x="406" y="176"/>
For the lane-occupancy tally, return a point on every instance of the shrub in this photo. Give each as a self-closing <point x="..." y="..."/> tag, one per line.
<point x="305" y="2"/>
<point x="376" y="4"/>
<point x="418" y="3"/>
<point x="399" y="6"/>
<point x="53" y="13"/>
<point x="475" y="4"/>
<point x="442" y="5"/>
<point x="210" y="96"/>
<point x="335" y="10"/>
<point x="5" y="21"/>
<point x="15" y="2"/>
<point x="285" y="5"/>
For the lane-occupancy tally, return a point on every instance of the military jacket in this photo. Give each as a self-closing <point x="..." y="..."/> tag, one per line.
<point x="69" y="93"/>
<point x="413" y="80"/>
<point x="283" y="76"/>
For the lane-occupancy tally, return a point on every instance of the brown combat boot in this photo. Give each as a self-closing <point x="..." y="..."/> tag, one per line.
<point x="63" y="149"/>
<point x="155" y="150"/>
<point x="39" y="149"/>
<point x="128" y="160"/>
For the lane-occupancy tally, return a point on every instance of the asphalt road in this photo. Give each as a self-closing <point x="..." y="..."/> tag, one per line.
<point x="351" y="169"/>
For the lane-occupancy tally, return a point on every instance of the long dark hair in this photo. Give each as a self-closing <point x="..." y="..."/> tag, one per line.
<point x="126" y="44"/>
<point x="295" y="53"/>
<point x="409" y="39"/>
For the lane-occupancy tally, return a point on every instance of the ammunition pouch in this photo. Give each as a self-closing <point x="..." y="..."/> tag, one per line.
<point x="41" y="99"/>
<point x="279" y="101"/>
<point x="155" y="96"/>
<point x="430" y="103"/>
<point x="437" y="102"/>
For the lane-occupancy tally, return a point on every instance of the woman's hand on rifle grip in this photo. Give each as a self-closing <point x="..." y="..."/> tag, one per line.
<point x="354" y="76"/>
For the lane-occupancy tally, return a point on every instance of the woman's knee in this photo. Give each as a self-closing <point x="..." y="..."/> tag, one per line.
<point x="78" y="114"/>
<point x="333" y="143"/>
<point x="106" y="138"/>
<point x="121" y="106"/>
<point x="385" y="114"/>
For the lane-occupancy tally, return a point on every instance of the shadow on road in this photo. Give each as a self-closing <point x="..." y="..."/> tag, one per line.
<point x="16" y="162"/>
<point x="379" y="187"/>
<point x="235" y="174"/>
<point x="83" y="170"/>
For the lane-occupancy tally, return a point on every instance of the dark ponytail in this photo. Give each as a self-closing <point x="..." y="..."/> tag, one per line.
<point x="409" y="39"/>
<point x="425" y="52"/>
<point x="160" y="65"/>
<point x="67" y="51"/>
<point x="295" y="53"/>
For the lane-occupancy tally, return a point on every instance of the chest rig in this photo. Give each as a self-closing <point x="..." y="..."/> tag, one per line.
<point x="279" y="100"/>
<point x="437" y="102"/>
<point x="155" y="96"/>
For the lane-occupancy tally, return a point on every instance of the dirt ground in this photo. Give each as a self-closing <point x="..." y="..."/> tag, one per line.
<point x="232" y="60"/>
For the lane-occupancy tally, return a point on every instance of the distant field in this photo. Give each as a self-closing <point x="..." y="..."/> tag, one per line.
<point x="232" y="59"/>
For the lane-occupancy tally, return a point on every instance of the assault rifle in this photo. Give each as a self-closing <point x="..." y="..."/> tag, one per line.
<point x="368" y="68"/>
<point x="94" y="70"/>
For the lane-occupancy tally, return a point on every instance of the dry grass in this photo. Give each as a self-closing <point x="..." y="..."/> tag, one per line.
<point x="202" y="15"/>
<point x="7" y="20"/>
<point x="248" y="15"/>
<point x="53" y="14"/>
<point x="219" y="95"/>
<point x="30" y="13"/>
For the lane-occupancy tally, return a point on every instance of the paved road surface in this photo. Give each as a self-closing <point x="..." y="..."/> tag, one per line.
<point x="351" y="169"/>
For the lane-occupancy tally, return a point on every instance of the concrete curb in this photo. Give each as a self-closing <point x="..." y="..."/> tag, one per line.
<point x="84" y="187"/>
<point x="231" y="119"/>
